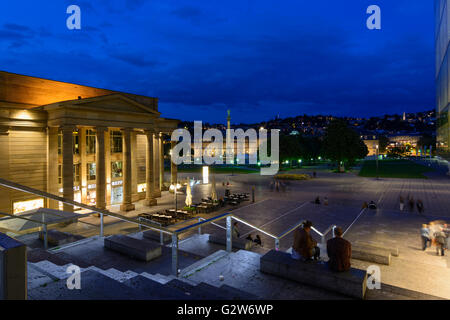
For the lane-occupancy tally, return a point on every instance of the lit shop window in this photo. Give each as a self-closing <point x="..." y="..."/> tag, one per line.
<point x="22" y="206"/>
<point x="142" y="187"/>
<point x="91" y="171"/>
<point x="76" y="172"/>
<point x="116" y="169"/>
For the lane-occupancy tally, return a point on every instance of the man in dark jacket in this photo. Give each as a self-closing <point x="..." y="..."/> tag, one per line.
<point x="339" y="251"/>
<point x="304" y="245"/>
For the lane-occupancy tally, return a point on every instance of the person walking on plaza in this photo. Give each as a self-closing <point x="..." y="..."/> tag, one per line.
<point x="425" y="235"/>
<point x="236" y="233"/>
<point x="325" y="201"/>
<point x="411" y="204"/>
<point x="441" y="240"/>
<point x="305" y="247"/>
<point x="257" y="240"/>
<point x="339" y="251"/>
<point x="419" y="205"/>
<point x="402" y="203"/>
<point x="317" y="201"/>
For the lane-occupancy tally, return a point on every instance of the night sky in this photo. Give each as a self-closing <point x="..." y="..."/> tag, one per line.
<point x="258" y="58"/>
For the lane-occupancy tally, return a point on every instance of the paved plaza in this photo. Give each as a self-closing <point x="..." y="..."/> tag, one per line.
<point x="276" y="212"/>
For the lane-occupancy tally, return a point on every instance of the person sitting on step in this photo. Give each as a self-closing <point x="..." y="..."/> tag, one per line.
<point x="305" y="247"/>
<point x="339" y="251"/>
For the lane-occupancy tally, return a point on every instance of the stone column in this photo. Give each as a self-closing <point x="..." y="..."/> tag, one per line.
<point x="173" y="166"/>
<point x="161" y="162"/>
<point x="150" y="189"/>
<point x="52" y="165"/>
<point x="156" y="165"/>
<point x="67" y="165"/>
<point x="100" y="166"/>
<point x="127" y="205"/>
<point x="83" y="169"/>
<point x="134" y="168"/>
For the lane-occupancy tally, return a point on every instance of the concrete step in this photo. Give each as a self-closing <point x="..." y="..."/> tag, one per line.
<point x="388" y="292"/>
<point x="201" y="291"/>
<point x="53" y="270"/>
<point x="237" y="294"/>
<point x="37" y="278"/>
<point x="218" y="293"/>
<point x="199" y="265"/>
<point x="155" y="290"/>
<point x="156" y="277"/>
<point x="94" y="286"/>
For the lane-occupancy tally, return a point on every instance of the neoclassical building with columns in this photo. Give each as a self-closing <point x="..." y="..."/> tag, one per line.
<point x="96" y="146"/>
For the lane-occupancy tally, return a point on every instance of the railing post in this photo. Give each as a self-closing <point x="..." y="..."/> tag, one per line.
<point x="45" y="237"/>
<point x="323" y="239"/>
<point x="101" y="225"/>
<point x="140" y="227"/>
<point x="199" y="227"/>
<point x="277" y="244"/>
<point x="332" y="231"/>
<point x="175" y="254"/>
<point x="229" y="234"/>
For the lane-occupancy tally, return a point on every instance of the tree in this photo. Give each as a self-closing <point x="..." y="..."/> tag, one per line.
<point x="343" y="144"/>
<point x="426" y="140"/>
<point x="383" y="142"/>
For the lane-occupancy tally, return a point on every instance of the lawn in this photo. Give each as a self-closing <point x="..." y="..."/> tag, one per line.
<point x="393" y="169"/>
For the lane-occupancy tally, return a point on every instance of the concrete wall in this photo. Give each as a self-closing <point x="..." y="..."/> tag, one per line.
<point x="23" y="159"/>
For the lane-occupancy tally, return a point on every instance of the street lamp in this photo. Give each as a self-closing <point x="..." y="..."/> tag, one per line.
<point x="377" y="159"/>
<point x="175" y="188"/>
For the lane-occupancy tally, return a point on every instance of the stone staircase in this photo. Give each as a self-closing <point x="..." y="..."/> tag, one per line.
<point x="47" y="280"/>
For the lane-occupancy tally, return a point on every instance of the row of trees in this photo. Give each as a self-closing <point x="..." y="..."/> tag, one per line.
<point x="340" y="144"/>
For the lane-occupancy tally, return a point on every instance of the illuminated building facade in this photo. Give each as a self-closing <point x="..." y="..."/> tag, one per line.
<point x="442" y="37"/>
<point x="95" y="146"/>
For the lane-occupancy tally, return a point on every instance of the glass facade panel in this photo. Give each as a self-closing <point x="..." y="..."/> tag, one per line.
<point x="90" y="141"/>
<point x="116" y="169"/>
<point x="116" y="141"/>
<point x="442" y="14"/>
<point x="116" y="195"/>
<point x="91" y="171"/>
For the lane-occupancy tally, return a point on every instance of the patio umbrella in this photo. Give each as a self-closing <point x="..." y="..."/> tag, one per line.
<point x="213" y="188"/>
<point x="188" y="194"/>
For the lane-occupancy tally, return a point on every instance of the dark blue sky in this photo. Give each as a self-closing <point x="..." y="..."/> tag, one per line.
<point x="259" y="58"/>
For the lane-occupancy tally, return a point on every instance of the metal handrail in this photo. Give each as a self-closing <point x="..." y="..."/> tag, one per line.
<point x="254" y="227"/>
<point x="102" y="212"/>
<point x="354" y="221"/>
<point x="215" y="224"/>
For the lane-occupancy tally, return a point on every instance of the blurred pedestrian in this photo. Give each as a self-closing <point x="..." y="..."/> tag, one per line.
<point x="441" y="241"/>
<point x="325" y="201"/>
<point x="425" y="235"/>
<point x="402" y="203"/>
<point x="257" y="240"/>
<point x="236" y="233"/>
<point x="411" y="204"/>
<point x="419" y="205"/>
<point x="317" y="201"/>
